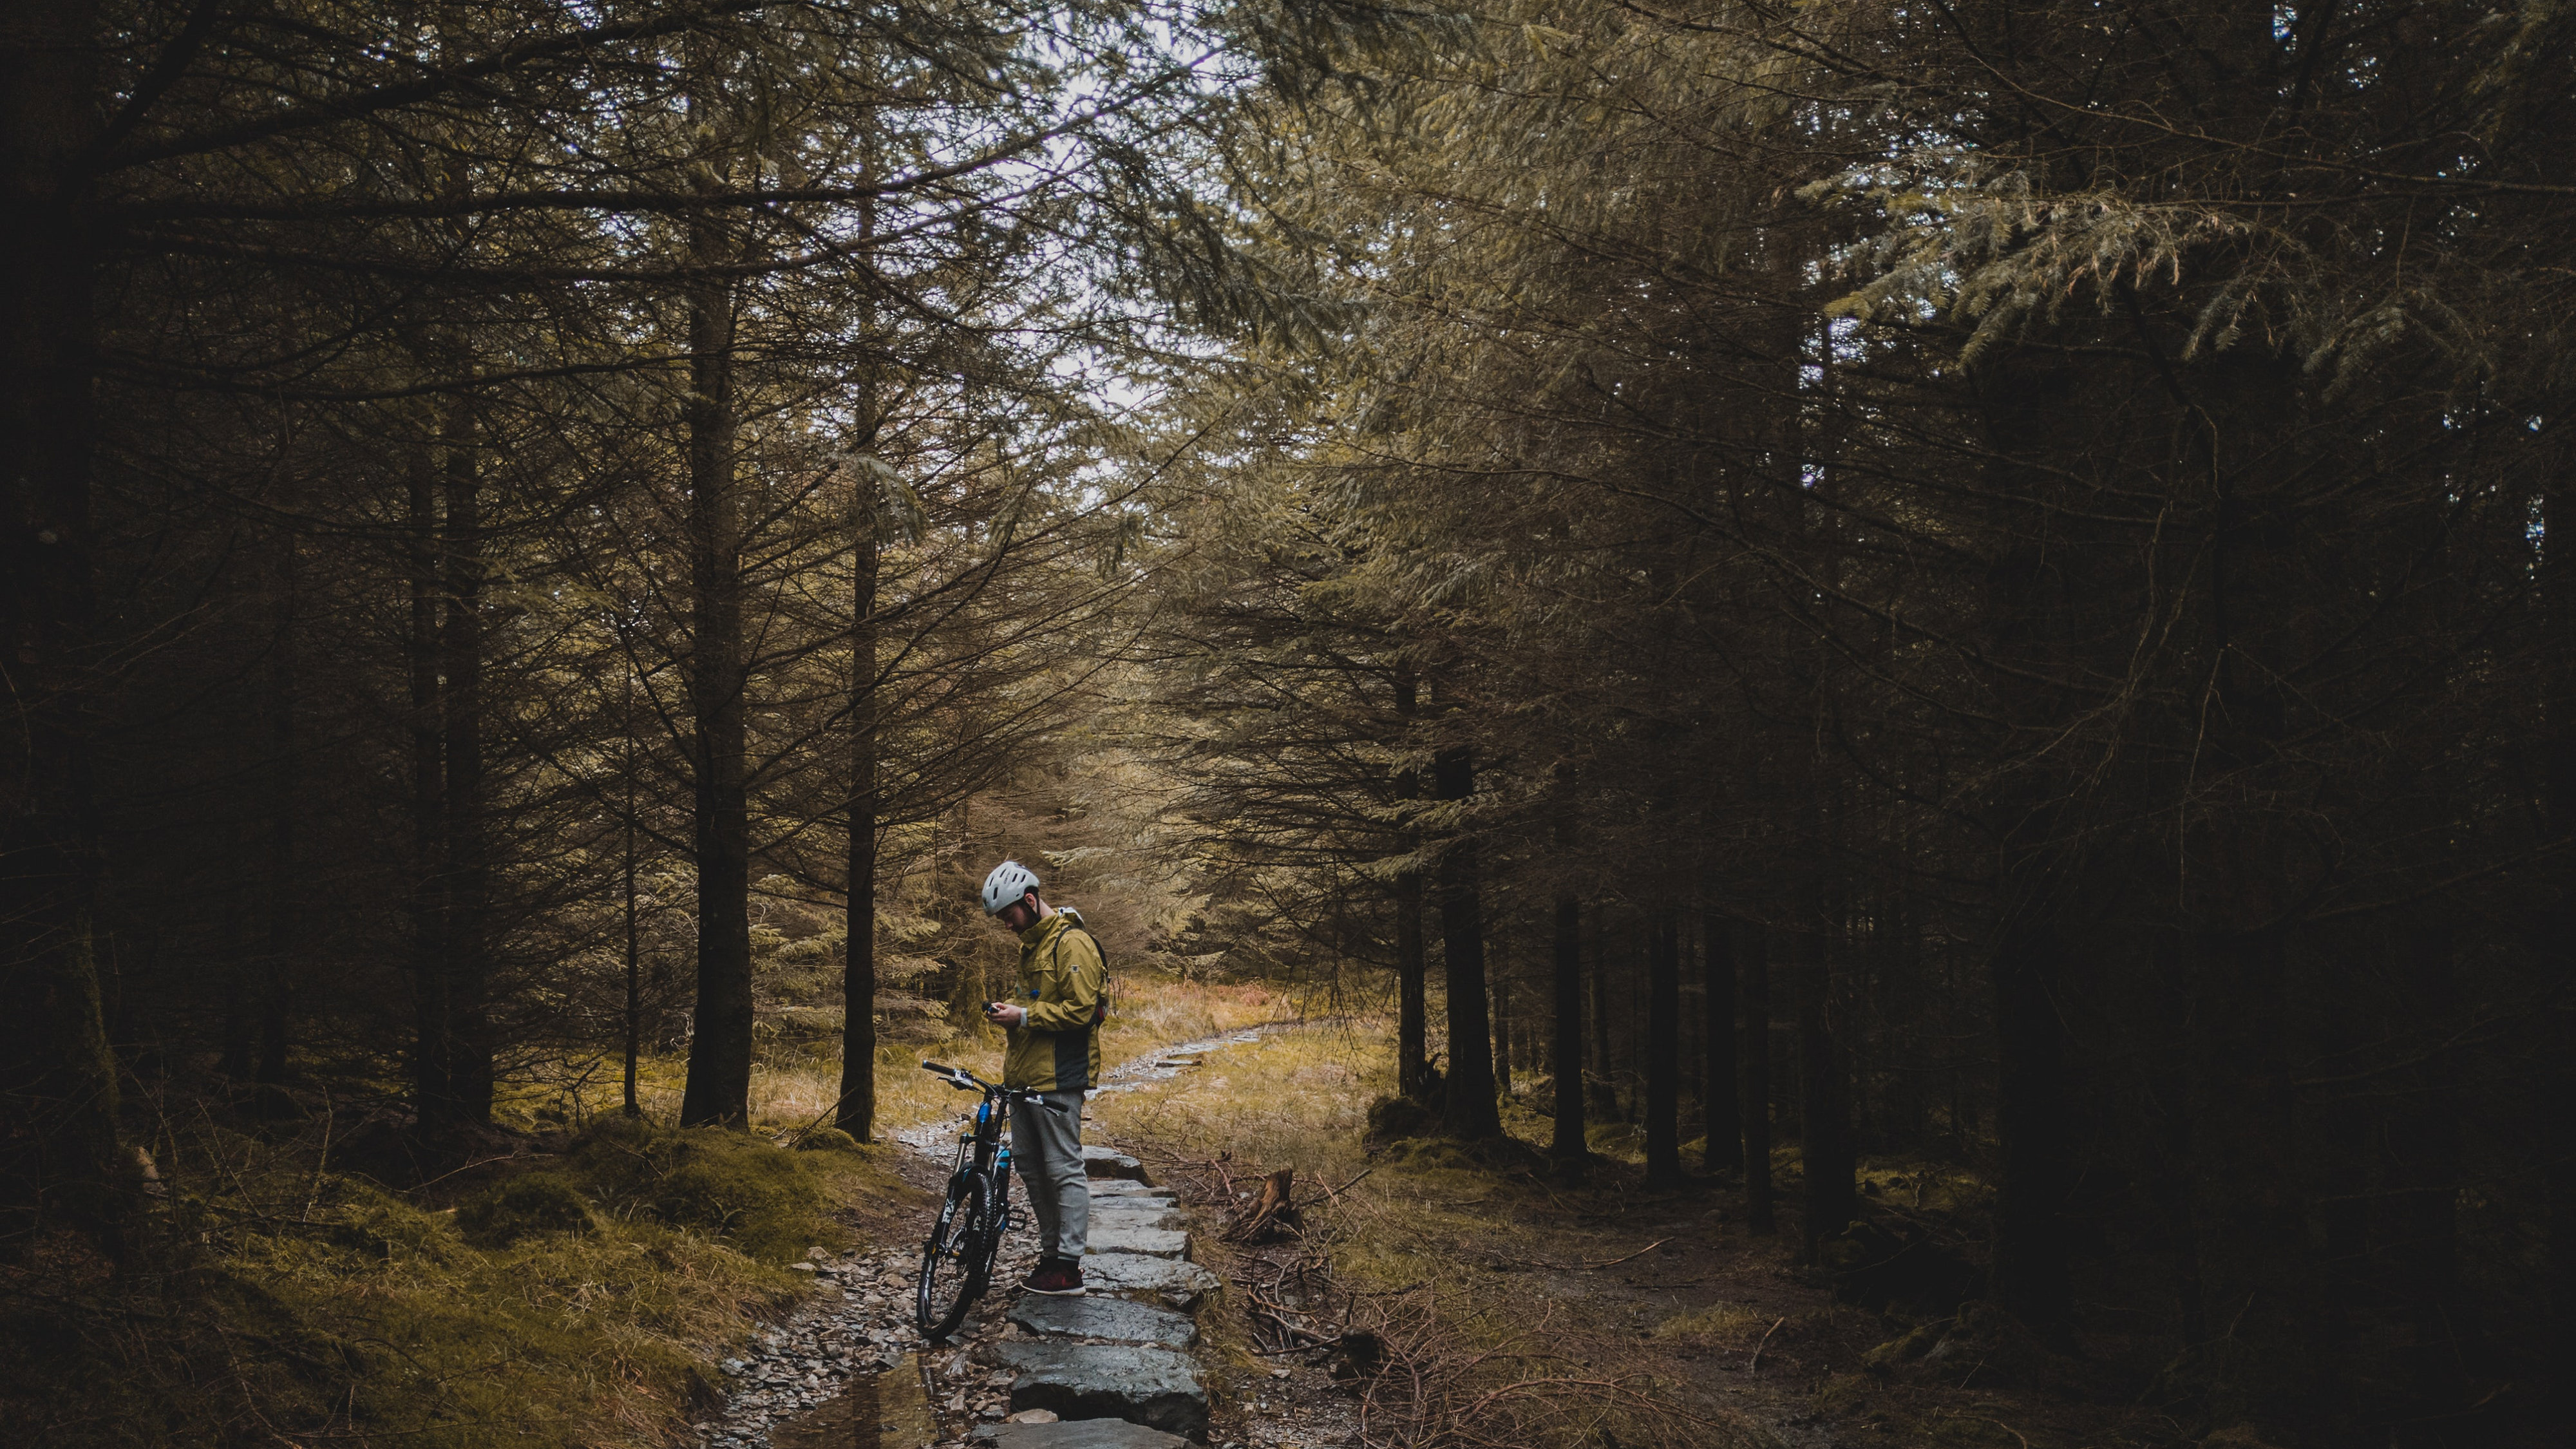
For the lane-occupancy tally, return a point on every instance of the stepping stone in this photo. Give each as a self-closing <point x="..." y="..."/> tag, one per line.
<point x="1075" y="1434"/>
<point x="1154" y="1387"/>
<point x="1114" y="1318"/>
<point x="1134" y="1212"/>
<point x="1121" y="1187"/>
<point x="1182" y="1283"/>
<point x="1153" y="1242"/>
<point x="1110" y="1162"/>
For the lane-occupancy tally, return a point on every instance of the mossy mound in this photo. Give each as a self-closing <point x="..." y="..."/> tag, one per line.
<point x="1898" y="1266"/>
<point x="267" y="1299"/>
<point x="1999" y="1346"/>
<point x="373" y="1221"/>
<point x="760" y="1199"/>
<point x="1443" y="1154"/>
<point x="531" y="1203"/>
<point x="1618" y="1141"/>
<point x="1392" y="1119"/>
<point x="827" y="1139"/>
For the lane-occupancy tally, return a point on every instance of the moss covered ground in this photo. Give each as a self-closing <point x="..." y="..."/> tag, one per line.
<point x="266" y="1297"/>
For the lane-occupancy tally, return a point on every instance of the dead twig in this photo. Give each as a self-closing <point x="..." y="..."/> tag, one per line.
<point x="1615" y="1262"/>
<point x="1335" y="1193"/>
<point x="1754" y="1364"/>
<point x="1982" y="1419"/>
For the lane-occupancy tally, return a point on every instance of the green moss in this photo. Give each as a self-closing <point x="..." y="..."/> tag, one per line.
<point x="827" y="1139"/>
<point x="263" y="1301"/>
<point x="1392" y="1119"/>
<point x="759" y="1198"/>
<point x="372" y="1221"/>
<point x="533" y="1202"/>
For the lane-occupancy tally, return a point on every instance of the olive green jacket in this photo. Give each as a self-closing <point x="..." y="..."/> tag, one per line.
<point x="1063" y="983"/>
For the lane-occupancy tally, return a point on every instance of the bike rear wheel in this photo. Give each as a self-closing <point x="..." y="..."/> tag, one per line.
<point x="954" y="1259"/>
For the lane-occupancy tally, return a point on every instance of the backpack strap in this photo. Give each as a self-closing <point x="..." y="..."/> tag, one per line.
<point x="1099" y="1009"/>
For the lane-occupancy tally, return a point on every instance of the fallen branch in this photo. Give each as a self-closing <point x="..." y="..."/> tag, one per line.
<point x="1615" y="1262"/>
<point x="1754" y="1364"/>
<point x="1335" y="1193"/>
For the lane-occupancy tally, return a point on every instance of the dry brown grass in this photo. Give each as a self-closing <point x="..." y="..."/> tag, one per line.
<point x="796" y="1080"/>
<point x="1400" y="1257"/>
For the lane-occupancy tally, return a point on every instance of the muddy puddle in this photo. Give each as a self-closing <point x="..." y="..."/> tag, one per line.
<point x="877" y="1411"/>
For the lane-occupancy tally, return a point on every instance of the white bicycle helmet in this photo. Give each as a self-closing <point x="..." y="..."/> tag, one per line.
<point x="1009" y="881"/>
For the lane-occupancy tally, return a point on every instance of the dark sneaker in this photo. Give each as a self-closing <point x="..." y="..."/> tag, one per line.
<point x="1056" y="1277"/>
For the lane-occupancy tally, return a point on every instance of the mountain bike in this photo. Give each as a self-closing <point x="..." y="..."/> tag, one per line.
<point x="957" y="1260"/>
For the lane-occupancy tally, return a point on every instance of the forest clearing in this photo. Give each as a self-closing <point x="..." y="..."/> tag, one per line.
<point x="1614" y="725"/>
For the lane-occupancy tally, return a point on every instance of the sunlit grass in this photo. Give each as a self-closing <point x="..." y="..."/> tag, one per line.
<point x="796" y="1080"/>
<point x="268" y="1298"/>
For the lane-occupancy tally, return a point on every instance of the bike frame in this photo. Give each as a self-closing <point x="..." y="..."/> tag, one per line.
<point x="982" y="1158"/>
<point x="983" y="1150"/>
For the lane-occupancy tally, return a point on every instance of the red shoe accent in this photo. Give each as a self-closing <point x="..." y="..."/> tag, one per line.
<point x="1057" y="1278"/>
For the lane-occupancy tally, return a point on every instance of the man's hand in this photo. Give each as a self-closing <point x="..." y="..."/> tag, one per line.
<point x="1002" y="1013"/>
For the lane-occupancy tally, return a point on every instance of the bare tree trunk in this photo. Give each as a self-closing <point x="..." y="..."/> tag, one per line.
<point x="1663" y="1048"/>
<point x="1824" y="1118"/>
<point x="1467" y="1110"/>
<point x="2556" y="936"/>
<point x="634" y="1016"/>
<point x="1412" y="1015"/>
<point x="1721" y="1107"/>
<point x="469" y="870"/>
<point x="2030" y="1263"/>
<point x="1566" y="1061"/>
<point x="2425" y="1138"/>
<point x="232" y="930"/>
<point x="279" y="787"/>
<point x="858" y="1108"/>
<point x="1502" y="980"/>
<point x="2247" y="1214"/>
<point x="719" y="1085"/>
<point x="433" y="1051"/>
<point x="56" y="1069"/>
<point x="1599" y="1088"/>
<point x="1753" y="1011"/>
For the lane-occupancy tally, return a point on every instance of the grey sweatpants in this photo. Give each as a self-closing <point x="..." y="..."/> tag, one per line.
<point x="1047" y="1148"/>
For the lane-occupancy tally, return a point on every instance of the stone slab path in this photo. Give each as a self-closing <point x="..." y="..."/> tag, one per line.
<point x="1110" y="1370"/>
<point x="1083" y="1434"/>
<point x="1115" y="1354"/>
<point x="1104" y="1320"/>
<point x="1159" y="1388"/>
<point x="1111" y="1367"/>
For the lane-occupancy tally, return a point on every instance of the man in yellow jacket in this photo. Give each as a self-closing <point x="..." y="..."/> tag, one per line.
<point x="1054" y="1032"/>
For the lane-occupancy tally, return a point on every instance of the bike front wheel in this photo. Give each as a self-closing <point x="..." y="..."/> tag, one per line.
<point x="953" y="1260"/>
<point x="997" y="1222"/>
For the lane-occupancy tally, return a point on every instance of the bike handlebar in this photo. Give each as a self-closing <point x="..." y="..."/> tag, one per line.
<point x="966" y="1081"/>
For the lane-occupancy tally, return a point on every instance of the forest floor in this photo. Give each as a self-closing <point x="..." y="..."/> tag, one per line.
<point x="1427" y="1294"/>
<point x="1475" y="1299"/>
